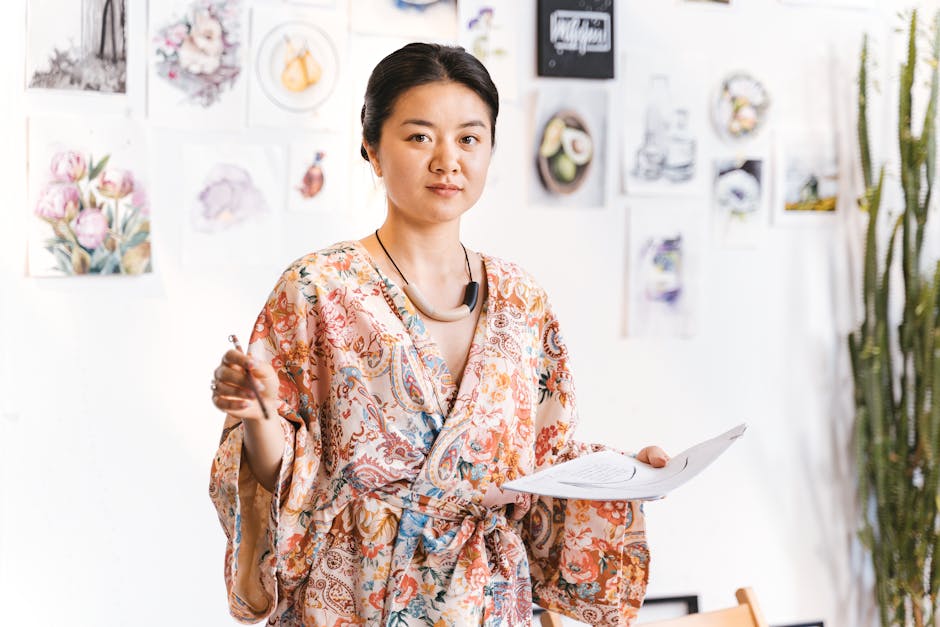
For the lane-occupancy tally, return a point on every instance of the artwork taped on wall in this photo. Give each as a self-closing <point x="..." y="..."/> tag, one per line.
<point x="664" y="269"/>
<point x="570" y="161"/>
<point x="232" y="197"/>
<point x="660" y="153"/>
<point x="88" y="197"/>
<point x="575" y="38"/>
<point x="298" y="61"/>
<point x="807" y="176"/>
<point x="488" y="31"/>
<point x="740" y="207"/>
<point x="196" y="60"/>
<point x="418" y="20"/>
<point x="77" y="45"/>
<point x="740" y="107"/>
<point x="318" y="168"/>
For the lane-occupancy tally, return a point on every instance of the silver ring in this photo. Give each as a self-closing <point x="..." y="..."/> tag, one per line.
<point x="213" y="386"/>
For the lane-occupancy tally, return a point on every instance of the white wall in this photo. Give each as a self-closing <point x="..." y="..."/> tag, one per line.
<point x="107" y="432"/>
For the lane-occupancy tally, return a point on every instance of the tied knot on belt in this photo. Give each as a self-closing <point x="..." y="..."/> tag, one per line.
<point x="500" y="541"/>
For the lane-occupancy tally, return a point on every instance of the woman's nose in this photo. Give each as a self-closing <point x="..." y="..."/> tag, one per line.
<point x="445" y="159"/>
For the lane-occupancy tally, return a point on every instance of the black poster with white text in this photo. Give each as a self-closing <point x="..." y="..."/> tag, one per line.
<point x="576" y="38"/>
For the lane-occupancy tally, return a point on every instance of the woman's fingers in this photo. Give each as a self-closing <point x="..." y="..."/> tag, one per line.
<point x="654" y="456"/>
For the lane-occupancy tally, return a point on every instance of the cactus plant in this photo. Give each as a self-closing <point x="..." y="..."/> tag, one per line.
<point x="897" y="369"/>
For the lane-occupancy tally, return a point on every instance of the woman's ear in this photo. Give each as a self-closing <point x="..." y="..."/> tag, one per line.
<point x="373" y="159"/>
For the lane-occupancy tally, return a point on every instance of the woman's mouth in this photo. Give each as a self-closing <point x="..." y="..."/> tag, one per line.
<point x="446" y="191"/>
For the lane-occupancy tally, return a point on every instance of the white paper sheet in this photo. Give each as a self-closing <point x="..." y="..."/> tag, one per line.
<point x="611" y="476"/>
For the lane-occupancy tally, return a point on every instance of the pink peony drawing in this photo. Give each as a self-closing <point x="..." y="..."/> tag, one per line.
<point x="97" y="216"/>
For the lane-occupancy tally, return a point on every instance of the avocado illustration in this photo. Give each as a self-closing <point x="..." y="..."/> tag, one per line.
<point x="564" y="168"/>
<point x="551" y="137"/>
<point x="577" y="145"/>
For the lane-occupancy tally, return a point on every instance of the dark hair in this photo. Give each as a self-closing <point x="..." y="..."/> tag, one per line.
<point x="419" y="64"/>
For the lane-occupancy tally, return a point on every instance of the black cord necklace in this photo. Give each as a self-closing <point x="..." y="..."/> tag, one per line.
<point x="469" y="295"/>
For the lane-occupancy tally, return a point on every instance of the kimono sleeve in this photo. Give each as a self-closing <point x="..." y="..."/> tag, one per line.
<point x="250" y="515"/>
<point x="589" y="559"/>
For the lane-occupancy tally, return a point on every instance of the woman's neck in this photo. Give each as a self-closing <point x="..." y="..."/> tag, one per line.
<point x="424" y="253"/>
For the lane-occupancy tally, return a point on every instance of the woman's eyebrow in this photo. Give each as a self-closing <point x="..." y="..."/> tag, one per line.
<point x="418" y="122"/>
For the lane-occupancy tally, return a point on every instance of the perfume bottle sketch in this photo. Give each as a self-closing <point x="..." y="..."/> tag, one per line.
<point x="668" y="148"/>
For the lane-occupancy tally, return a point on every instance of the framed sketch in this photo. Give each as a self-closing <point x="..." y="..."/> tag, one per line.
<point x="88" y="196"/>
<point x="806" y="184"/>
<point x="232" y="195"/>
<point x="77" y="44"/>
<point x="739" y="199"/>
<point x="297" y="60"/>
<point x="570" y="152"/>
<point x="575" y="38"/>
<point x="488" y="32"/>
<point x="664" y="269"/>
<point x="196" y="64"/>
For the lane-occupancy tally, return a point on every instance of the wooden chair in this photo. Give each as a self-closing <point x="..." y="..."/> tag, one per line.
<point x="745" y="614"/>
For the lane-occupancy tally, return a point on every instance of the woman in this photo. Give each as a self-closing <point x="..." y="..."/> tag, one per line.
<point x="370" y="497"/>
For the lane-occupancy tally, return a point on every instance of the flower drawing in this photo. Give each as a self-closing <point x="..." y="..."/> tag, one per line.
<point x="228" y="197"/>
<point x="68" y="166"/>
<point x="199" y="53"/>
<point x="97" y="216"/>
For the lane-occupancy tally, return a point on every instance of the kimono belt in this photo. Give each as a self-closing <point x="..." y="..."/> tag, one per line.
<point x="470" y="523"/>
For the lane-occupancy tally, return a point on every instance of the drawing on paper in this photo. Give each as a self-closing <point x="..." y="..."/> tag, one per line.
<point x="297" y="66"/>
<point x="228" y="197"/>
<point x="668" y="150"/>
<point x="565" y="152"/>
<point x="487" y="30"/>
<point x="312" y="181"/>
<point x="739" y="201"/>
<point x="739" y="110"/>
<point x="77" y="45"/>
<point x="809" y="172"/>
<point x="198" y="53"/>
<point x="97" y="216"/>
<point x="661" y="275"/>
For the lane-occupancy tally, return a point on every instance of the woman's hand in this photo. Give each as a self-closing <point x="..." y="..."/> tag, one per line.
<point x="654" y="456"/>
<point x="231" y="390"/>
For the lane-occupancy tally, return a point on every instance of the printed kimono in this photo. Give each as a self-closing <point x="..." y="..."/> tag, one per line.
<point x="376" y="518"/>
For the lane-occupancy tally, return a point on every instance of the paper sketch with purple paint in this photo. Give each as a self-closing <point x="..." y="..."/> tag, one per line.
<point x="488" y="32"/>
<point x="662" y="273"/>
<point x="228" y="197"/>
<point x="198" y="53"/>
<point x="233" y="193"/>
<point x="77" y="45"/>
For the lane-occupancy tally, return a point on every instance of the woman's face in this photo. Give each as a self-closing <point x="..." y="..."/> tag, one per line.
<point x="433" y="152"/>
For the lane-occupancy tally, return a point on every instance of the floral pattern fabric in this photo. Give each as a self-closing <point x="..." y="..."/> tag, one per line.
<point x="376" y="518"/>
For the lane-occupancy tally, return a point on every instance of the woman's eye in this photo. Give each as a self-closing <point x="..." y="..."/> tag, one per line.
<point x="420" y="138"/>
<point x="470" y="140"/>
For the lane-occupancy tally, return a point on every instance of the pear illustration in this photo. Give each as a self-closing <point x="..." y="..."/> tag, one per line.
<point x="301" y="69"/>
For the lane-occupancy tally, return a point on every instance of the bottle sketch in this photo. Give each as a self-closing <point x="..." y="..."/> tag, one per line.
<point x="651" y="155"/>
<point x="680" y="149"/>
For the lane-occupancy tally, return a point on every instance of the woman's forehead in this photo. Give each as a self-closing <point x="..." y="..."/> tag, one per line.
<point x="440" y="99"/>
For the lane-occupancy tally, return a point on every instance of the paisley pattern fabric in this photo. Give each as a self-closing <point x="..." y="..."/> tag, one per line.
<point x="377" y="518"/>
